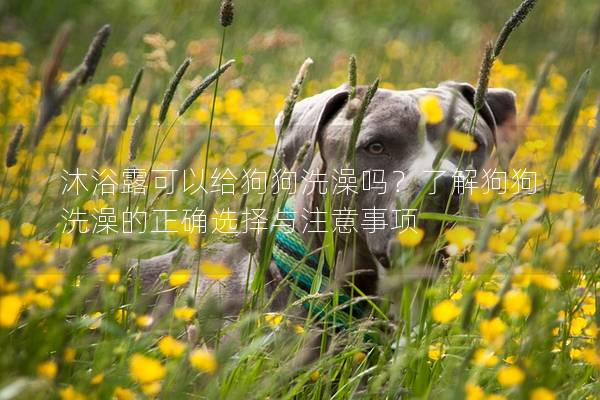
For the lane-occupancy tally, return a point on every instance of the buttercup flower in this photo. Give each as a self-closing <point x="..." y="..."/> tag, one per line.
<point x="171" y="347"/>
<point x="203" y="360"/>
<point x="145" y="370"/>
<point x="431" y="109"/>
<point x="445" y="312"/>
<point x="215" y="271"/>
<point x="10" y="310"/>
<point x="47" y="369"/>
<point x="517" y="303"/>
<point x="184" y="313"/>
<point x="510" y="376"/>
<point x="410" y="237"/>
<point x="179" y="277"/>
<point x="461" y="141"/>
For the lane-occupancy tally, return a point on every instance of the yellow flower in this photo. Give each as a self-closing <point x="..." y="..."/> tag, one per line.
<point x="145" y="369"/>
<point x="10" y="310"/>
<point x="144" y="321"/>
<point x="492" y="332"/>
<point x="152" y="389"/>
<point x="124" y="394"/>
<point x="66" y="240"/>
<point x="315" y="375"/>
<point x="545" y="280"/>
<point x="467" y="267"/>
<point x="184" y="313"/>
<point x="49" y="278"/>
<point x="499" y="244"/>
<point x="69" y="393"/>
<point x="459" y="238"/>
<point x="27" y="229"/>
<point x="577" y="326"/>
<point x="179" y="277"/>
<point x="121" y="315"/>
<point x="510" y="359"/>
<point x="113" y="276"/>
<point x="456" y="295"/>
<point x="7" y="286"/>
<point x="273" y="319"/>
<point x="101" y="251"/>
<point x="43" y="300"/>
<point x="36" y="251"/>
<point x="410" y="237"/>
<point x="474" y="392"/>
<point x="510" y="376"/>
<point x="592" y="357"/>
<point x="97" y="379"/>
<point x="589" y="306"/>
<point x="485" y="358"/>
<point x="95" y="320"/>
<point x="431" y="109"/>
<point x="486" y="299"/>
<point x="591" y="235"/>
<point x="525" y="210"/>
<point x="47" y="369"/>
<point x="118" y="60"/>
<point x="445" y="311"/>
<point x="171" y="347"/>
<point x="204" y="361"/>
<point x="69" y="355"/>
<point x="215" y="271"/>
<point x="480" y="196"/>
<point x="94" y="205"/>
<point x="517" y="303"/>
<point x="542" y="393"/>
<point x="11" y="49"/>
<point x="461" y="141"/>
<point x="359" y="357"/>
<point x="85" y="143"/>
<point x="4" y="231"/>
<point x="299" y="329"/>
<point x="436" y="351"/>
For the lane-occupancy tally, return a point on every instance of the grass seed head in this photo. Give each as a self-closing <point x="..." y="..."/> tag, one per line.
<point x="202" y="86"/>
<point x="168" y="96"/>
<point x="94" y="53"/>
<point x="484" y="76"/>
<point x="516" y="19"/>
<point x="226" y="13"/>
<point x="13" y="147"/>
<point x="352" y="76"/>
<point x="290" y="101"/>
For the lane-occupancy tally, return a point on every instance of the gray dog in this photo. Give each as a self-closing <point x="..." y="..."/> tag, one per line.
<point x="389" y="140"/>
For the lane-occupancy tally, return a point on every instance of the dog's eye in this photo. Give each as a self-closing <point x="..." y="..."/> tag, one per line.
<point x="375" y="148"/>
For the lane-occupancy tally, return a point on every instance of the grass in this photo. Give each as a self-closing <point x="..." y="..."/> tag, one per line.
<point x="512" y="315"/>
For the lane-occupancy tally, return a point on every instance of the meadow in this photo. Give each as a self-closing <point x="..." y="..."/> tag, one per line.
<point x="512" y="315"/>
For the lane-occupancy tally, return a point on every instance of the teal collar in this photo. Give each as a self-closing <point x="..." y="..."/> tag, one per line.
<point x="308" y="277"/>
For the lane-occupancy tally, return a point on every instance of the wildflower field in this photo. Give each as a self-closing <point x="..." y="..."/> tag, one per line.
<point x="132" y="129"/>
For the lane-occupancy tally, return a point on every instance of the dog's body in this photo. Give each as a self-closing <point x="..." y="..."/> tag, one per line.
<point x="389" y="141"/>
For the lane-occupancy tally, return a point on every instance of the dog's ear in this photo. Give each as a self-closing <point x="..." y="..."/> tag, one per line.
<point x="500" y="113"/>
<point x="308" y="119"/>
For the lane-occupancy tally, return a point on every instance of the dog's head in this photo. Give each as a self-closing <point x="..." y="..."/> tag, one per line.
<point x="390" y="141"/>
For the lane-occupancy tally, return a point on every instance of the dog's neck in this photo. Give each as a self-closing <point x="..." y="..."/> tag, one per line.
<point x="354" y="263"/>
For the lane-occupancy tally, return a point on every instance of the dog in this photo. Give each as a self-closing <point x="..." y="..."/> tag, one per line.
<point x="389" y="140"/>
